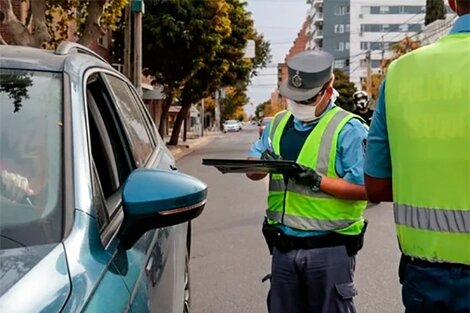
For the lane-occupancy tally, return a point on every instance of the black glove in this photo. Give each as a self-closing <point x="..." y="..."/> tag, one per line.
<point x="270" y="156"/>
<point x="308" y="177"/>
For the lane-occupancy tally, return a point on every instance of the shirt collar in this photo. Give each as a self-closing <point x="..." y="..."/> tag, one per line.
<point x="299" y="125"/>
<point x="462" y="25"/>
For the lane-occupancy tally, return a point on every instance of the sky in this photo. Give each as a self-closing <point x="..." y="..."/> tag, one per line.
<point x="279" y="21"/>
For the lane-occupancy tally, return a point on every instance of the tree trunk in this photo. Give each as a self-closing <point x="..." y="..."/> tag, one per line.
<point x="92" y="29"/>
<point x="20" y="33"/>
<point x="40" y="32"/>
<point x="164" y="116"/>
<point x="2" y="41"/>
<point x="182" y="114"/>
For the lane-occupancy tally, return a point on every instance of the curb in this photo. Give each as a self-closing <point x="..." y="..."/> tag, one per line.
<point x="179" y="152"/>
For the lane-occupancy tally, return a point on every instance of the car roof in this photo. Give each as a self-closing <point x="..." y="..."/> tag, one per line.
<point x="27" y="58"/>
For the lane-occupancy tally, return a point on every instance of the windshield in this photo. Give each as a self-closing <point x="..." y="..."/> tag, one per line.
<point x="30" y="158"/>
<point x="231" y="122"/>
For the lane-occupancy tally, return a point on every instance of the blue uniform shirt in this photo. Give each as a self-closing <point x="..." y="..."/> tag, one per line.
<point x="378" y="163"/>
<point x="349" y="157"/>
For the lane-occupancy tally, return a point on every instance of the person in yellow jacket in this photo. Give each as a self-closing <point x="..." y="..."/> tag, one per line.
<point x="314" y="221"/>
<point x="418" y="156"/>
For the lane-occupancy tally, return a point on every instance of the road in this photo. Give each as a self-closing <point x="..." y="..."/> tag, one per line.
<point x="229" y="255"/>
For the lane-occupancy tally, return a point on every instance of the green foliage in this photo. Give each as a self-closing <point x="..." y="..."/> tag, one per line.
<point x="435" y="10"/>
<point x="16" y="86"/>
<point x="345" y="88"/>
<point x="197" y="47"/>
<point x="231" y="106"/>
<point x="65" y="17"/>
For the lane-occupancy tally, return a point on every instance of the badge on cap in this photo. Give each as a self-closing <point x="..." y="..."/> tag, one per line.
<point x="296" y="80"/>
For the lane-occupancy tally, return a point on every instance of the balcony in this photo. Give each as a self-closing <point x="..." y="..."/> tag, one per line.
<point x="318" y="35"/>
<point x="318" y="18"/>
<point x="317" y="3"/>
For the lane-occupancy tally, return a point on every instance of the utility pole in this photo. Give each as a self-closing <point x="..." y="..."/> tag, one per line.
<point x="202" y="117"/>
<point x="382" y="74"/>
<point x="138" y="7"/>
<point x="127" y="71"/>
<point x="369" y="72"/>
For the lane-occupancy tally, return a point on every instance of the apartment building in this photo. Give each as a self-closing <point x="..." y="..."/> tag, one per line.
<point x="330" y="29"/>
<point x="351" y="29"/>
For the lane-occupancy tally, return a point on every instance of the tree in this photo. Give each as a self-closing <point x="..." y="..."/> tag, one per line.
<point x="50" y="21"/>
<point x="345" y="88"/>
<point x="435" y="10"/>
<point x="402" y="47"/>
<point x="232" y="105"/>
<point x="179" y="36"/>
<point x="195" y="48"/>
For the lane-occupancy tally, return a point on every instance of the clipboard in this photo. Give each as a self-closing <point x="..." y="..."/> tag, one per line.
<point x="254" y="166"/>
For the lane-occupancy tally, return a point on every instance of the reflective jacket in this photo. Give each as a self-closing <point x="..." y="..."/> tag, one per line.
<point x="428" y="119"/>
<point x="299" y="207"/>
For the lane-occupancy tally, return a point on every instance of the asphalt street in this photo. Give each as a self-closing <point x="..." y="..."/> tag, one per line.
<point x="229" y="256"/>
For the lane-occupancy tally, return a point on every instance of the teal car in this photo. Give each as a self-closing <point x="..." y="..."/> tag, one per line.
<point x="94" y="215"/>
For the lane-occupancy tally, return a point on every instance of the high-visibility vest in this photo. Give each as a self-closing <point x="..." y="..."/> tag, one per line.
<point x="299" y="207"/>
<point x="428" y="118"/>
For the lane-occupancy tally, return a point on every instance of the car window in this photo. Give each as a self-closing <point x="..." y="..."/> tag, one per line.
<point x="111" y="161"/>
<point x="133" y="121"/>
<point x="31" y="158"/>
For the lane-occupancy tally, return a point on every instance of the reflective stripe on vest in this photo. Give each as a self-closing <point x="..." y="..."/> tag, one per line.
<point x="306" y="209"/>
<point x="452" y="221"/>
<point x="428" y="121"/>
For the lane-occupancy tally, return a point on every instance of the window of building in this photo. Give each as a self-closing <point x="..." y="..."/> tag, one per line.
<point x="403" y="27"/>
<point x="365" y="45"/>
<point x="348" y="28"/>
<point x="340" y="63"/>
<point x="342" y="10"/>
<point x="347" y="45"/>
<point x="340" y="46"/>
<point x="385" y="27"/>
<point x="339" y="28"/>
<point x="414" y="27"/>
<point x="401" y="9"/>
<point x="375" y="10"/>
<point x="384" y="9"/>
<point x="365" y="9"/>
<point x="375" y="63"/>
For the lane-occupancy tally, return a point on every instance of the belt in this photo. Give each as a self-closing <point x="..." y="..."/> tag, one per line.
<point x="275" y="237"/>
<point x="424" y="263"/>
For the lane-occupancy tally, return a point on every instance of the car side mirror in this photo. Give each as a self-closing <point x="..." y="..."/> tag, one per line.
<point x="156" y="198"/>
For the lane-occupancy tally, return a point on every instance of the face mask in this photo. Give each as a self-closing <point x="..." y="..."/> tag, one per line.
<point x="302" y="112"/>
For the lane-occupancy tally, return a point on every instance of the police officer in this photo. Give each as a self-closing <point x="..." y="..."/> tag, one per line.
<point x="420" y="140"/>
<point x="314" y="224"/>
<point x="361" y="101"/>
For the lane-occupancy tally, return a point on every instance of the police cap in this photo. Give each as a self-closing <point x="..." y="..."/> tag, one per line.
<point x="308" y="72"/>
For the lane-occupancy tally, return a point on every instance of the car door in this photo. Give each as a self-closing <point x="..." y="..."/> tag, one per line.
<point x="157" y="262"/>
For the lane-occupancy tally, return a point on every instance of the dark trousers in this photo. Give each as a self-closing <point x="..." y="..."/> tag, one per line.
<point x="314" y="281"/>
<point x="436" y="289"/>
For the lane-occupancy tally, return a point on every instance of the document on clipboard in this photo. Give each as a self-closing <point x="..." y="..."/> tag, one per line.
<point x="253" y="166"/>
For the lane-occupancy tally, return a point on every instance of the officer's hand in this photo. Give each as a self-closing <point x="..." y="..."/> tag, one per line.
<point x="270" y="156"/>
<point x="307" y="177"/>
<point x="14" y="186"/>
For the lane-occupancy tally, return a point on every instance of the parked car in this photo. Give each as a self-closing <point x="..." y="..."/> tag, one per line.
<point x="262" y="125"/>
<point x="105" y="223"/>
<point x="232" y="126"/>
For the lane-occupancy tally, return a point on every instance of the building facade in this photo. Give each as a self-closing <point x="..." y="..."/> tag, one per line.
<point x="357" y="32"/>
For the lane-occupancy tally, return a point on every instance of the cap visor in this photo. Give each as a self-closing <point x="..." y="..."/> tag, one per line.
<point x="297" y="94"/>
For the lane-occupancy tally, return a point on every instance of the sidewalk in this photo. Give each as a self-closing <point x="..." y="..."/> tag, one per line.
<point x="186" y="147"/>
